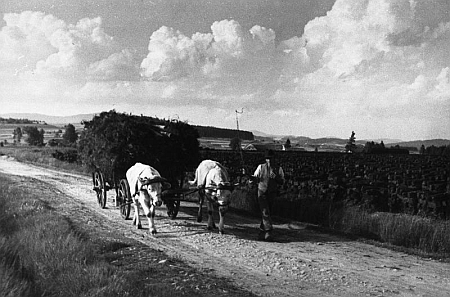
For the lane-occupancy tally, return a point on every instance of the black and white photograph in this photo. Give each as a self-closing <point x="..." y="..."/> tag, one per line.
<point x="224" y="148"/>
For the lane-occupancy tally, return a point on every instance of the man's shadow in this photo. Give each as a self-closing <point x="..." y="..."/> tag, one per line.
<point x="245" y="225"/>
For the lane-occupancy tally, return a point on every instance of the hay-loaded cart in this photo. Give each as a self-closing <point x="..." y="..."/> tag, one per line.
<point x="113" y="142"/>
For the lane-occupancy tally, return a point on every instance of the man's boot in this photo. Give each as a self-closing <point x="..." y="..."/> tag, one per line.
<point x="261" y="235"/>
<point x="268" y="236"/>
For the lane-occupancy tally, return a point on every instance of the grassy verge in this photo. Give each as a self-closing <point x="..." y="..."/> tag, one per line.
<point x="412" y="234"/>
<point x="44" y="253"/>
<point x="42" y="156"/>
<point x="425" y="236"/>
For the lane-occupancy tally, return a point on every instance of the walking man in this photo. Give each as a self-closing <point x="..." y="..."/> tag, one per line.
<point x="268" y="176"/>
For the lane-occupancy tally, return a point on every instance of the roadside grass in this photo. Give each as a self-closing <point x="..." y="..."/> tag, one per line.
<point x="42" y="156"/>
<point x="43" y="256"/>
<point x="425" y="236"/>
<point x="44" y="253"/>
<point x="417" y="235"/>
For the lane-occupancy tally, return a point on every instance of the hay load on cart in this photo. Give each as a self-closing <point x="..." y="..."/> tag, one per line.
<point x="112" y="142"/>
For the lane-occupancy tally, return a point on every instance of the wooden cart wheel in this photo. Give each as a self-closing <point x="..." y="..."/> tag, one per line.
<point x="124" y="199"/>
<point x="99" y="188"/>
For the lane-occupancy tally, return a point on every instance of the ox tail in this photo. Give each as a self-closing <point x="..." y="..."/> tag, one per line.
<point x="195" y="181"/>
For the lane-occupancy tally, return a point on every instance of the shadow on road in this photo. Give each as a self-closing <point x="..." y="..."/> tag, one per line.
<point x="246" y="226"/>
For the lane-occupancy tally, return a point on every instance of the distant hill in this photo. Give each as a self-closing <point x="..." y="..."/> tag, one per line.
<point x="385" y="141"/>
<point x="314" y="141"/>
<point x="419" y="143"/>
<point x="300" y="140"/>
<point x="261" y="134"/>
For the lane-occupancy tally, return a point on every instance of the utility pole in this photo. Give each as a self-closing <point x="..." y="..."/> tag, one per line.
<point x="239" y="138"/>
<point x="237" y="121"/>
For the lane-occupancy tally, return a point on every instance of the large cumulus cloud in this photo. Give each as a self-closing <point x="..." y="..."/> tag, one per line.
<point x="356" y="35"/>
<point x="173" y="55"/>
<point x="32" y="42"/>
<point x="229" y="61"/>
<point x="383" y="62"/>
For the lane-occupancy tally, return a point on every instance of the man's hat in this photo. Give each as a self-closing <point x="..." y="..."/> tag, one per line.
<point x="269" y="154"/>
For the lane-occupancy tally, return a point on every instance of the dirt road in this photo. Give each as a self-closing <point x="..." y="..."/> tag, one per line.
<point x="303" y="262"/>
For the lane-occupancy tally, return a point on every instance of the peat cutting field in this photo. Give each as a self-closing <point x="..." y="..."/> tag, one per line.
<point x="302" y="262"/>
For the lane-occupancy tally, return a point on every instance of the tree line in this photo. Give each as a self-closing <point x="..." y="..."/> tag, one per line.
<point x="433" y="150"/>
<point x="213" y="132"/>
<point x="36" y="136"/>
<point x="20" y="121"/>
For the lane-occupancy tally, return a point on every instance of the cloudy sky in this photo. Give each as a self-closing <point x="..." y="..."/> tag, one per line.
<point x="295" y="67"/>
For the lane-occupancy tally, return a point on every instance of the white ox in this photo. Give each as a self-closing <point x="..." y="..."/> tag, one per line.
<point x="145" y="188"/>
<point x="213" y="182"/>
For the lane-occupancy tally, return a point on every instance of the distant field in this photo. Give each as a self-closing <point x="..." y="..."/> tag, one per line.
<point x="218" y="143"/>
<point x="7" y="131"/>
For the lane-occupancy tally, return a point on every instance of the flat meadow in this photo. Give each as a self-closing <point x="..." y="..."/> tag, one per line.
<point x="50" y="131"/>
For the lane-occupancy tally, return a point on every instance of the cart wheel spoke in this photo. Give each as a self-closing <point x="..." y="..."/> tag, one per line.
<point x="100" y="188"/>
<point x="124" y="198"/>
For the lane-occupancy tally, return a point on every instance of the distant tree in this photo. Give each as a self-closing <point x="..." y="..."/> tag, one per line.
<point x="42" y="132"/>
<point x="70" y="136"/>
<point x="422" y="150"/>
<point x="235" y="144"/>
<point x="376" y="148"/>
<point x="437" y="150"/>
<point x="17" y="135"/>
<point x="287" y="144"/>
<point x="351" y="146"/>
<point x="35" y="137"/>
<point x="1" y="144"/>
<point x="369" y="146"/>
<point x="52" y="142"/>
<point x="447" y="151"/>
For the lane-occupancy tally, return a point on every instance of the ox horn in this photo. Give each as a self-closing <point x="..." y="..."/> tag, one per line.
<point x="157" y="179"/>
